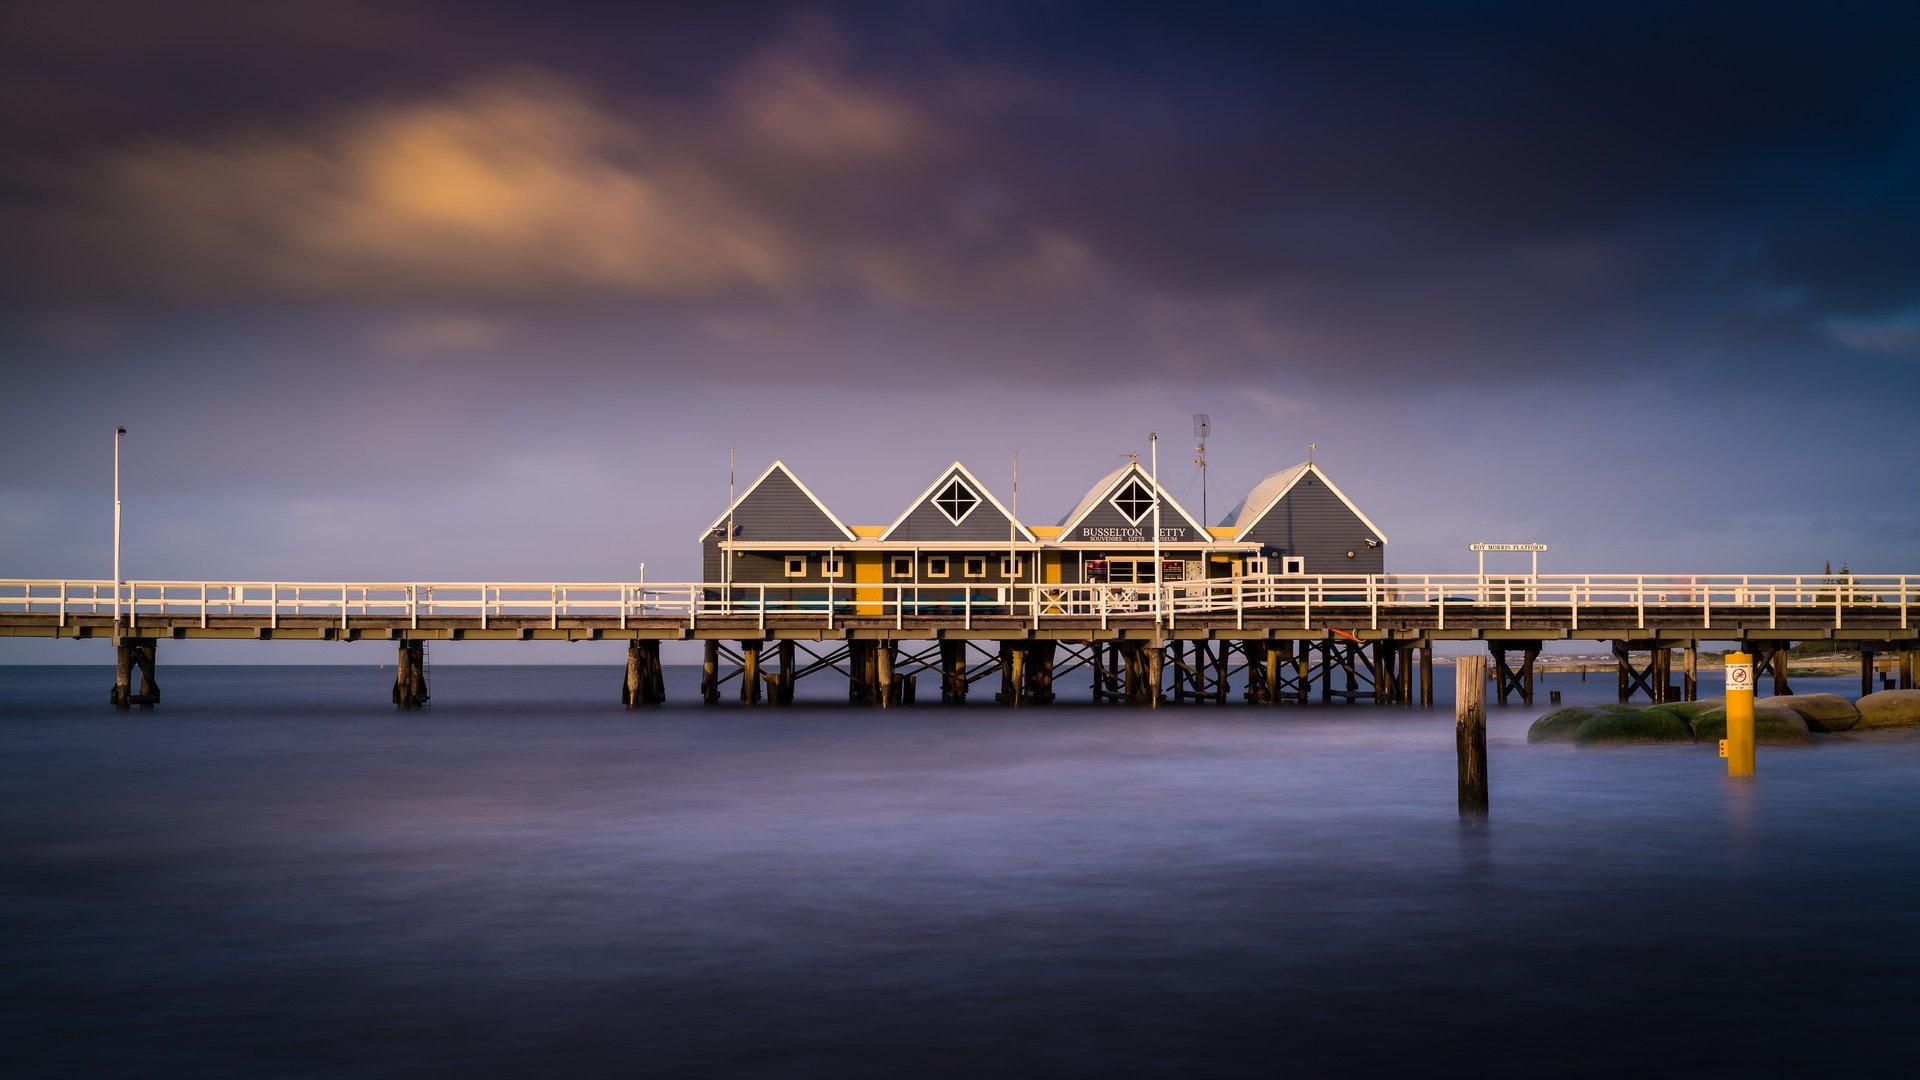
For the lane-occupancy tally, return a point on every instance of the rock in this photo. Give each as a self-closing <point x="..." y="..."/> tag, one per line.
<point x="1773" y="725"/>
<point x="1617" y="728"/>
<point x="1559" y="725"/>
<point x="1691" y="709"/>
<point x="1890" y="709"/>
<point x="1822" y="712"/>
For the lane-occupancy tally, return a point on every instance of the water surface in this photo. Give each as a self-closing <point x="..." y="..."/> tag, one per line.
<point x="276" y="874"/>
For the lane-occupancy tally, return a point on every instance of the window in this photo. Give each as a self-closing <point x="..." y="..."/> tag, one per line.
<point x="1134" y="501"/>
<point x="976" y="566"/>
<point x="900" y="566"/>
<point x="796" y="566"/>
<point x="1293" y="564"/>
<point x="1009" y="567"/>
<point x="830" y="565"/>
<point x="936" y="566"/>
<point x="956" y="500"/>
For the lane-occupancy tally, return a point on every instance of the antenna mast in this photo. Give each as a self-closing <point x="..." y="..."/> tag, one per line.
<point x="1201" y="425"/>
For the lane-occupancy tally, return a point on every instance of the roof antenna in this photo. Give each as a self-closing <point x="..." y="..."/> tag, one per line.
<point x="1311" y="447"/>
<point x="1202" y="425"/>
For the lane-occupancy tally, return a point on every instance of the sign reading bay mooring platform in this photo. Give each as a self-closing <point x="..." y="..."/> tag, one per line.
<point x="1506" y="547"/>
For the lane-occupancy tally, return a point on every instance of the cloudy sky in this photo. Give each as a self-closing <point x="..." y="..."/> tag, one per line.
<point x="434" y="290"/>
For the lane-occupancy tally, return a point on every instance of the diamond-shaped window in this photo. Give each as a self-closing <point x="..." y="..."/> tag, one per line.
<point x="956" y="500"/>
<point x="1134" y="501"/>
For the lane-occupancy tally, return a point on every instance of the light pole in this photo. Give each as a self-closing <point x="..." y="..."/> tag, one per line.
<point x="118" y="434"/>
<point x="1153" y="446"/>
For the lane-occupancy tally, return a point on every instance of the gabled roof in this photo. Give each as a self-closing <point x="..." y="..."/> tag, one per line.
<point x="1268" y="492"/>
<point x="972" y="481"/>
<point x="1105" y="487"/>
<point x="779" y="467"/>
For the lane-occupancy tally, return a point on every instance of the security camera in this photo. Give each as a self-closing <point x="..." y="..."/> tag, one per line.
<point x="1372" y="543"/>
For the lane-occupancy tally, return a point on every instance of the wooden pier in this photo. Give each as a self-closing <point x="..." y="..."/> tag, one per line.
<point x="1283" y="639"/>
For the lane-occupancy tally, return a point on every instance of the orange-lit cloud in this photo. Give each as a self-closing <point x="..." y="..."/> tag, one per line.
<point x="525" y="187"/>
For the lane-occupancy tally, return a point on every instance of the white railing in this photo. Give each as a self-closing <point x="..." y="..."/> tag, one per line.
<point x="1346" y="601"/>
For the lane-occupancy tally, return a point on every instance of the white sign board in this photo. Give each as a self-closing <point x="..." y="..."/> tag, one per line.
<point x="1740" y="678"/>
<point x="1506" y="547"/>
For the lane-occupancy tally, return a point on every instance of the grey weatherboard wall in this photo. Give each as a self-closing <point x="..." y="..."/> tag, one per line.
<point x="927" y="524"/>
<point x="775" y="510"/>
<point x="1314" y="524"/>
<point x="1104" y="516"/>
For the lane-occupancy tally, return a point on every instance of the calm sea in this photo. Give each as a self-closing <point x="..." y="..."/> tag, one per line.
<point x="276" y="874"/>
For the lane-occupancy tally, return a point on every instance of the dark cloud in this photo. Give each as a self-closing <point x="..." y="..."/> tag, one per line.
<point x="1249" y="189"/>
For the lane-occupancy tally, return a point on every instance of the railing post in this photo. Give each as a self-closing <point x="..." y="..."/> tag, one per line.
<point x="483" y="606"/>
<point x="343" y="603"/>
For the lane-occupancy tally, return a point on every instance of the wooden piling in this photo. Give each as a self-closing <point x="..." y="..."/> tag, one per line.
<point x="1690" y="672"/>
<point x="788" y="675"/>
<point x="883" y="674"/>
<point x="1426" y="674"/>
<point x="122" y="695"/>
<point x="1016" y="673"/>
<point x="630" y="687"/>
<point x="710" y="673"/>
<point x="750" y="672"/>
<point x="1156" y="659"/>
<point x="1866" y="672"/>
<point x="131" y="655"/>
<point x="1470" y="733"/>
<point x="410" y="678"/>
<point x="953" y="671"/>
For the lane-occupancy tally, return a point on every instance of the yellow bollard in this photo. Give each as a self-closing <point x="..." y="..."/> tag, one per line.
<point x="1739" y="745"/>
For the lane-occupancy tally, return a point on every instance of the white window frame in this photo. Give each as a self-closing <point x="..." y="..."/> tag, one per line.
<point x="1293" y="564"/>
<point x="969" y="563"/>
<point x="944" y="563"/>
<point x="1146" y="489"/>
<point x="900" y="566"/>
<point x="796" y="560"/>
<point x="832" y="565"/>
<point x="949" y="486"/>
<point x="1009" y="566"/>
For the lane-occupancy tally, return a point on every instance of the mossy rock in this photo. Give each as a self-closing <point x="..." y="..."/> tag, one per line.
<point x="1560" y="724"/>
<point x="1822" y="712"/>
<point x="1689" y="710"/>
<point x="1890" y="709"/>
<point x="1621" y="728"/>
<point x="1773" y="725"/>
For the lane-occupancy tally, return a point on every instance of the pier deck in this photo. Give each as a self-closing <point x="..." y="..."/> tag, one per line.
<point x="1366" y="627"/>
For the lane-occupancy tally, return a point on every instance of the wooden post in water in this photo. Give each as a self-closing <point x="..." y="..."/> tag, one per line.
<point x="1690" y="672"/>
<point x="630" y="687"/>
<point x="1426" y="674"/>
<point x="953" y="671"/>
<point x="122" y="695"/>
<point x="410" y="677"/>
<point x="710" y="673"/>
<point x="1470" y="733"/>
<point x="1156" y="659"/>
<point x="883" y="674"/>
<point x="750" y="672"/>
<point x="788" y="676"/>
<point x="1866" y="672"/>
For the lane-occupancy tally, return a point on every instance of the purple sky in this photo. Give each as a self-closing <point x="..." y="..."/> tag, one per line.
<point x="440" y="291"/>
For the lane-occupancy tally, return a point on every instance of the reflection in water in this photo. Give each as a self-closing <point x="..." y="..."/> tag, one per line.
<point x="260" y="880"/>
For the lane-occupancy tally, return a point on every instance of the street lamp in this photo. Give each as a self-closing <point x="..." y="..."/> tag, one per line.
<point x="118" y="434"/>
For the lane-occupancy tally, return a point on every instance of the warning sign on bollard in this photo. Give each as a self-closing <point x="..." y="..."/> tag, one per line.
<point x="1739" y="677"/>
